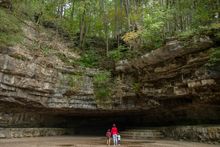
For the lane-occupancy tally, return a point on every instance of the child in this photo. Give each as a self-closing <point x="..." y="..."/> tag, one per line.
<point x="108" y="135"/>
<point x="119" y="138"/>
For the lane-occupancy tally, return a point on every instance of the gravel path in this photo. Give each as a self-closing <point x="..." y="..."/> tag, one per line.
<point x="92" y="142"/>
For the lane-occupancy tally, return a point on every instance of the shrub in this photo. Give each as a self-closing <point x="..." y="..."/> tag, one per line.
<point x="214" y="58"/>
<point x="89" y="59"/>
<point x="122" y="52"/>
<point x="186" y="34"/>
<point x="102" y="78"/>
<point x="102" y="87"/>
<point x="136" y="87"/>
<point x="154" y="22"/>
<point x="115" y="55"/>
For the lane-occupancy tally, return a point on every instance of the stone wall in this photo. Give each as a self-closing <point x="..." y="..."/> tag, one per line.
<point x="32" y="132"/>
<point x="206" y="133"/>
<point x="210" y="134"/>
<point x="30" y="119"/>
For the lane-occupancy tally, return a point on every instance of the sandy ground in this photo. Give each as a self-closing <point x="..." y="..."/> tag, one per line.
<point x="92" y="142"/>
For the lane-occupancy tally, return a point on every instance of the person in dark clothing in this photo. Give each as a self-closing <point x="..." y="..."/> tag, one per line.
<point x="108" y="135"/>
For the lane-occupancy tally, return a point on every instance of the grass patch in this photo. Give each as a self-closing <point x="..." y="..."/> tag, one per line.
<point x="10" y="29"/>
<point x="102" y="78"/>
<point x="46" y="50"/>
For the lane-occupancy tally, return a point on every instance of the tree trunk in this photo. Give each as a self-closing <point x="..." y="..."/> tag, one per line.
<point x="82" y="28"/>
<point x="127" y="10"/>
<point x="105" y="23"/>
<point x="72" y="9"/>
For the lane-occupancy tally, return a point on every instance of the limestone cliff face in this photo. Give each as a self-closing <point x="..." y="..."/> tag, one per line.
<point x="36" y="85"/>
<point x="31" y="83"/>
<point x="34" y="76"/>
<point x="172" y="76"/>
<point x="31" y="78"/>
<point x="177" y="80"/>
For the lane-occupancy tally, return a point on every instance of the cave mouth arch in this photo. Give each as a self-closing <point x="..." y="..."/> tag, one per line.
<point x="96" y="122"/>
<point x="20" y="121"/>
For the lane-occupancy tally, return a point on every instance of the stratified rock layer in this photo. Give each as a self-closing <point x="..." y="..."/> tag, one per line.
<point x="193" y="133"/>
<point x="208" y="134"/>
<point x="177" y="80"/>
<point x="31" y="132"/>
<point x="35" y="85"/>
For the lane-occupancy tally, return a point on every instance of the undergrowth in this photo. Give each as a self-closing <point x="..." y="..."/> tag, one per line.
<point x="103" y="87"/>
<point x="10" y="29"/>
<point x="214" y="58"/>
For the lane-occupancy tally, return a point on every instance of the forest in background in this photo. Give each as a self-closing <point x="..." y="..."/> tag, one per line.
<point x="111" y="30"/>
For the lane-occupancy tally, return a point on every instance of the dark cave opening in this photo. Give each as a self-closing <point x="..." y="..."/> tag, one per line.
<point x="85" y="122"/>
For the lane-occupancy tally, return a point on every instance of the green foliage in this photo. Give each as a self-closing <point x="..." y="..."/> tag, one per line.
<point x="203" y="15"/>
<point x="102" y="86"/>
<point x="103" y="93"/>
<point x="136" y="87"/>
<point x="115" y="55"/>
<point x="215" y="26"/>
<point x="214" y="58"/>
<point x="10" y="29"/>
<point x="89" y="59"/>
<point x="155" y="18"/>
<point x="186" y="34"/>
<point x="122" y="52"/>
<point x="102" y="78"/>
<point x="74" y="81"/>
<point x="145" y="24"/>
<point x="46" y="50"/>
<point x="217" y="35"/>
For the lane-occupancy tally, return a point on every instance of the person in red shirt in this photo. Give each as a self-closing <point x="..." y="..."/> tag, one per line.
<point x="114" y="132"/>
<point x="108" y="135"/>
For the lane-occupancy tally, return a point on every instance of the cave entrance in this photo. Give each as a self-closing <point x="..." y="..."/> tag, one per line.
<point x="21" y="122"/>
<point x="99" y="124"/>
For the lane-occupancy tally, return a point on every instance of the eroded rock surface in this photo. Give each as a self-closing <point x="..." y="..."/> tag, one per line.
<point x="194" y="133"/>
<point x="177" y="80"/>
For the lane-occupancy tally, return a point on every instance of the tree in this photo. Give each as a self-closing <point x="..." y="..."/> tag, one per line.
<point x="154" y="20"/>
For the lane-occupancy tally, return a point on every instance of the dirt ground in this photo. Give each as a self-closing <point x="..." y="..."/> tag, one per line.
<point x="93" y="142"/>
